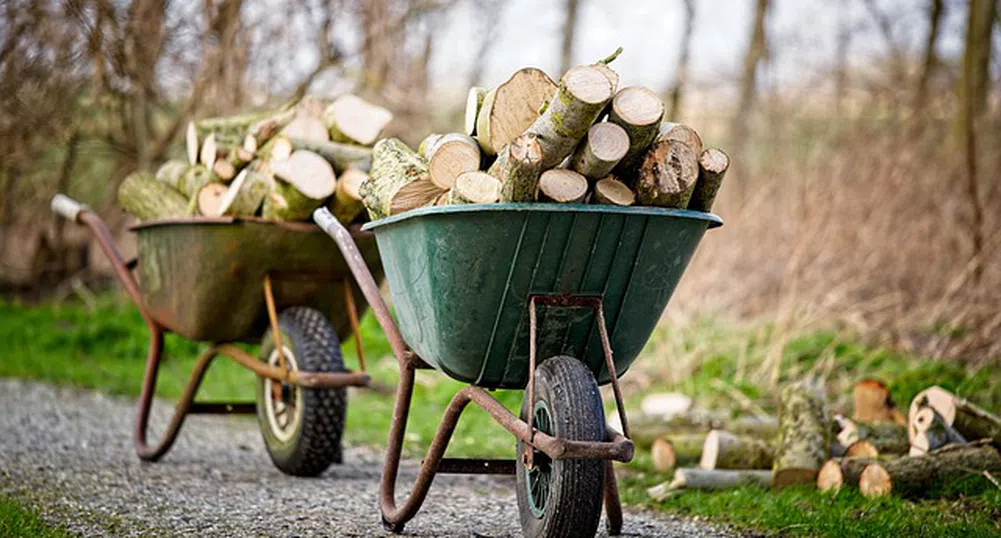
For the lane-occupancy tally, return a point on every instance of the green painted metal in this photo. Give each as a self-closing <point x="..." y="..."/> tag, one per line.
<point x="203" y="278"/>
<point x="461" y="278"/>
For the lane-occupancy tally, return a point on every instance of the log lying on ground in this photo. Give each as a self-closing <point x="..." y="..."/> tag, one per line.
<point x="914" y="476"/>
<point x="148" y="199"/>
<point x="210" y="197"/>
<point x="518" y="168"/>
<point x="611" y="191"/>
<point x="662" y="455"/>
<point x="562" y="186"/>
<point x="307" y="128"/>
<point x="842" y="472"/>
<point x="647" y="428"/>
<point x="599" y="152"/>
<point x="340" y="156"/>
<point x="346" y="203"/>
<point x="278" y="148"/>
<point x="246" y="193"/>
<point x="474" y="101"/>
<point x="861" y="449"/>
<point x="668" y="175"/>
<point x="682" y="133"/>
<point x="724" y="450"/>
<point x="509" y="109"/>
<point x="448" y="156"/>
<point x="970" y="421"/>
<point x="713" y="164"/>
<point x="475" y="188"/>
<point x="689" y="478"/>
<point x="804" y="435"/>
<point x="931" y="432"/>
<point x="305" y="180"/>
<point x="680" y="449"/>
<point x="580" y="98"/>
<point x="398" y="181"/>
<point x="872" y="402"/>
<point x="352" y="119"/>
<point x="638" y="111"/>
<point x="885" y="437"/>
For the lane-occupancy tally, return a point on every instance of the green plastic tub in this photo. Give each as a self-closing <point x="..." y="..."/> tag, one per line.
<point x="461" y="277"/>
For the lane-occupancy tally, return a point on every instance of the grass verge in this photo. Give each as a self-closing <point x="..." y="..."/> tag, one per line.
<point x="19" y="521"/>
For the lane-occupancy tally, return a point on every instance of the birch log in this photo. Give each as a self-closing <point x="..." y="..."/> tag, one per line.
<point x="518" y="168"/>
<point x="599" y="152"/>
<point x="474" y="101"/>
<point x="398" y="181"/>
<point x="580" y="98"/>
<point x="638" y="111"/>
<point x="915" y="475"/>
<point x="340" y="156"/>
<point x="713" y="164"/>
<point x="611" y="191"/>
<point x="511" y="108"/>
<point x="804" y="435"/>
<point x="562" y="186"/>
<point x="352" y="119"/>
<point x="475" y="188"/>
<point x="148" y="199"/>
<point x="724" y="450"/>
<point x="448" y="156"/>
<point x="668" y="175"/>
<point x="346" y="203"/>
<point x="971" y="421"/>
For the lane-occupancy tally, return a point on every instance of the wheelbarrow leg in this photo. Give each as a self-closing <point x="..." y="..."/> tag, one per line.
<point x="613" y="507"/>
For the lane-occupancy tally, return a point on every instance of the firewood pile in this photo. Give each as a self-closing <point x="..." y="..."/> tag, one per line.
<point x="532" y="139"/>
<point x="278" y="164"/>
<point x="877" y="451"/>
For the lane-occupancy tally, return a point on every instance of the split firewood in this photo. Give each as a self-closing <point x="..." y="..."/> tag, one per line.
<point x="713" y="164"/>
<point x="804" y="434"/>
<point x="398" y="181"/>
<point x="474" y="101"/>
<point x="873" y="403"/>
<point x="580" y="98"/>
<point x="475" y="188"/>
<point x="885" y="437"/>
<point x="148" y="199"/>
<point x="724" y="450"/>
<point x="246" y="193"/>
<point x="682" y="133"/>
<point x="340" y="156"/>
<point x="278" y="148"/>
<point x="913" y="476"/>
<point x="562" y="186"/>
<point x="191" y="143"/>
<point x="610" y="74"/>
<point x="611" y="191"/>
<point x="645" y="429"/>
<point x="346" y="203"/>
<point x="931" y="432"/>
<point x="210" y="197"/>
<point x="207" y="155"/>
<point x="690" y="478"/>
<point x="448" y="156"/>
<point x="307" y="128"/>
<point x="509" y="109"/>
<point x="352" y="119"/>
<point x="304" y="181"/>
<point x="638" y="111"/>
<point x="518" y="169"/>
<point x="969" y="420"/>
<point x="603" y="147"/>
<point x="668" y="175"/>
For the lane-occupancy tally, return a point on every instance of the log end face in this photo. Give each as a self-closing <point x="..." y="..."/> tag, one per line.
<point x="588" y="83"/>
<point x="663" y="455"/>
<point x="830" y="477"/>
<point x="875" y="481"/>
<point x="638" y="106"/>
<point x="608" y="141"/>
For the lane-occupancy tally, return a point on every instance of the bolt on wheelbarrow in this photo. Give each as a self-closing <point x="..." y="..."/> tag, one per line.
<point x="227" y="280"/>
<point x="551" y="299"/>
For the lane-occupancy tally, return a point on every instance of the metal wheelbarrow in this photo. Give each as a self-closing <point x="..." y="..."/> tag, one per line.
<point x="550" y="299"/>
<point x="227" y="280"/>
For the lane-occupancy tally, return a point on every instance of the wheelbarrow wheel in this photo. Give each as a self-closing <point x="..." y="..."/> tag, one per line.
<point x="302" y="427"/>
<point x="562" y="498"/>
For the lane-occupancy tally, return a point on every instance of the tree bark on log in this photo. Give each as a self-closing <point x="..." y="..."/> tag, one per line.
<point x="145" y="198"/>
<point x="562" y="186"/>
<point x="170" y="172"/>
<point x="886" y="437"/>
<point x="346" y="203"/>
<point x="932" y="432"/>
<point x="913" y="476"/>
<point x="448" y="156"/>
<point x="691" y="478"/>
<point x="278" y="148"/>
<point x="352" y="119"/>
<point x="246" y="193"/>
<point x="399" y="180"/>
<point x="580" y="98"/>
<point x="647" y="428"/>
<point x="231" y="130"/>
<point x="518" y="168"/>
<point x="969" y="420"/>
<point x="804" y="435"/>
<point x="724" y="450"/>
<point x="611" y="191"/>
<point x="638" y="111"/>
<point x="681" y="449"/>
<point x="713" y="164"/>
<point x="305" y="180"/>
<point x="268" y="126"/>
<point x="474" y="101"/>
<point x="668" y="175"/>
<point x="340" y="156"/>
<point x="475" y="188"/>
<point x="511" y="108"/>
<point x="681" y="132"/>
<point x="603" y="147"/>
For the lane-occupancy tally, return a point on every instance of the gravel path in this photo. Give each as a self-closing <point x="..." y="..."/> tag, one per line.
<point x="68" y="453"/>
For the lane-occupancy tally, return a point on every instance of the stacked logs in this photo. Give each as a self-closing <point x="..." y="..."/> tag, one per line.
<point x="276" y="164"/>
<point x="878" y="450"/>
<point x="581" y="140"/>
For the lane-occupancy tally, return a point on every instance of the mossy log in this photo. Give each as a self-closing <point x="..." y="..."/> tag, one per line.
<point x="724" y="450"/>
<point x="352" y="119"/>
<point x="518" y="168"/>
<point x="914" y="476"/>
<point x="346" y="203"/>
<point x="599" y="152"/>
<point x="703" y="479"/>
<point x="804" y="435"/>
<point x="611" y="191"/>
<point x="246" y="193"/>
<point x="170" y="172"/>
<point x="340" y="156"/>
<point x="713" y="164"/>
<point x="474" y="101"/>
<point x="971" y="421"/>
<point x="303" y="182"/>
<point x="682" y="133"/>
<point x="449" y="155"/>
<point x="141" y="195"/>
<point x="398" y="181"/>
<point x="886" y="437"/>
<point x="209" y="198"/>
<point x="668" y="175"/>
<point x="475" y="188"/>
<point x="562" y="186"/>
<point x="638" y="111"/>
<point x="580" y="98"/>
<point x="512" y="107"/>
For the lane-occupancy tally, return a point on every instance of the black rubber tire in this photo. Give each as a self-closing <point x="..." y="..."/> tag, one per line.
<point x="576" y="487"/>
<point x="315" y="443"/>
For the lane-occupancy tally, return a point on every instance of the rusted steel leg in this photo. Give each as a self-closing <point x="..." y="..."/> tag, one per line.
<point x="349" y="305"/>
<point x="528" y="457"/>
<point x="394" y="519"/>
<point x="606" y="346"/>
<point x="613" y="507"/>
<point x="276" y="333"/>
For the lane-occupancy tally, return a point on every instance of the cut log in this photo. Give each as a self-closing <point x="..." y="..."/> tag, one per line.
<point x="278" y="148"/>
<point x="932" y="432"/>
<point x="662" y="455"/>
<point x="914" y="476"/>
<point x="475" y="188"/>
<point x="448" y="156"/>
<point x="682" y="133"/>
<point x="346" y="202"/>
<point x="840" y="472"/>
<point x="804" y="434"/>
<point x="207" y="155"/>
<point x="611" y="191"/>
<point x="231" y="130"/>
<point x="305" y="181"/>
<point x="518" y="168"/>
<point x="246" y="193"/>
<point x="399" y="181"/>
<point x="580" y="98"/>
<point x="170" y="172"/>
<point x="969" y="420"/>
<point x="680" y="449"/>
<point x="191" y="143"/>
<point x="668" y="175"/>
<point x="862" y="449"/>
<point x="224" y="170"/>
<point x="511" y="108"/>
<point x="724" y="450"/>
<point x="210" y="197"/>
<point x="647" y="428"/>
<point x="873" y="402"/>
<point x="474" y="101"/>
<point x="352" y="119"/>
<point x="263" y="129"/>
<point x="691" y="478"/>
<point x="307" y="128"/>
<point x="599" y="152"/>
<point x="610" y="74"/>
<point x="638" y="111"/>
<point x="713" y="164"/>
<point x="886" y="437"/>
<point x="562" y="186"/>
<point x="145" y="198"/>
<point x="340" y="156"/>
<point x="187" y="180"/>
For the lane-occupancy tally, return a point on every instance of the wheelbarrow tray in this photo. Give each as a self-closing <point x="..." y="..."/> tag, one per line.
<point x="461" y="278"/>
<point x="203" y="277"/>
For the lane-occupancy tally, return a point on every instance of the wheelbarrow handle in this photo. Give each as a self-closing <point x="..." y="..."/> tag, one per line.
<point x="66" y="207"/>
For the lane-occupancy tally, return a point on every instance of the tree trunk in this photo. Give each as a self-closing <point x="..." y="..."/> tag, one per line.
<point x="713" y="164"/>
<point x="510" y="109"/>
<point x="580" y="98"/>
<point x="610" y="191"/>
<point x="518" y="169"/>
<point x="448" y="156"/>
<point x="681" y="73"/>
<point x="668" y="175"/>
<point x="475" y="188"/>
<point x="638" y="111"/>
<point x="562" y="186"/>
<point x="931" y="61"/>
<point x="148" y="199"/>
<point x="569" y="25"/>
<point x="604" y="146"/>
<point x="724" y="450"/>
<point x="756" y="52"/>
<point x="970" y="421"/>
<point x="804" y="435"/>
<point x="914" y="476"/>
<point x="399" y="181"/>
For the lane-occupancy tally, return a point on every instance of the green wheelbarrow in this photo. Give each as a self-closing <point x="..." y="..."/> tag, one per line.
<point x="550" y="299"/>
<point x="228" y="280"/>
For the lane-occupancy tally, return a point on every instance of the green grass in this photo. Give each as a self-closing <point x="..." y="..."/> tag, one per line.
<point x="19" y="521"/>
<point x="104" y="349"/>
